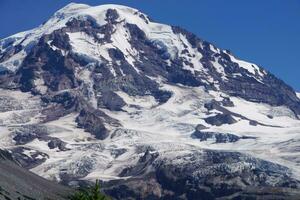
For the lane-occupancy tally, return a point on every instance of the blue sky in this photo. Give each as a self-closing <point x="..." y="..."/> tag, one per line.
<point x="264" y="32"/>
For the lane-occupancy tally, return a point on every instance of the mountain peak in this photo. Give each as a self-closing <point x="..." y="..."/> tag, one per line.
<point x="73" y="7"/>
<point x="96" y="87"/>
<point x="98" y="13"/>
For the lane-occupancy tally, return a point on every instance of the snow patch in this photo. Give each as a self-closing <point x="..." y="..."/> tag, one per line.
<point x="87" y="88"/>
<point x="147" y="101"/>
<point x="250" y="67"/>
<point x="14" y="62"/>
<point x="120" y="40"/>
<point x="40" y="85"/>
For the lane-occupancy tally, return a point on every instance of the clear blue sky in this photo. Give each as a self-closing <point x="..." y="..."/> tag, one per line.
<point x="266" y="32"/>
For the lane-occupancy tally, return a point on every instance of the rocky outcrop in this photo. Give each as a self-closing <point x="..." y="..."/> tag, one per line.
<point x="28" y="133"/>
<point x="111" y="101"/>
<point x="208" y="175"/>
<point x="57" y="143"/>
<point x="220" y="119"/>
<point x="218" y="137"/>
<point x="5" y="155"/>
<point x="28" y="158"/>
<point x="92" y="122"/>
<point x="245" y="86"/>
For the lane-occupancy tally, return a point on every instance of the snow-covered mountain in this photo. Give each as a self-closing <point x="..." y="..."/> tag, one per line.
<point x="150" y="109"/>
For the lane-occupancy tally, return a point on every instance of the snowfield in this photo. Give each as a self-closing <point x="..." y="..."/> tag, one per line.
<point x="165" y="128"/>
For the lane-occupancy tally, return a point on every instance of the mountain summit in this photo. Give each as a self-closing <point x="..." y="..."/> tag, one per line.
<point x="151" y="110"/>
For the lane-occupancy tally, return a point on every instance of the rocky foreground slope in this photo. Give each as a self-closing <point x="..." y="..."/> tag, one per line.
<point x="18" y="183"/>
<point x="150" y="109"/>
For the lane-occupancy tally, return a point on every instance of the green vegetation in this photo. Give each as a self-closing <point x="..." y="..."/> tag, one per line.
<point x="92" y="193"/>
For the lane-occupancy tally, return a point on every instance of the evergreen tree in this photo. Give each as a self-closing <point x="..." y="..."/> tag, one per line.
<point x="92" y="193"/>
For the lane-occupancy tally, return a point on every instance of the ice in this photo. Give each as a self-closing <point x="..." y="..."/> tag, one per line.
<point x="167" y="128"/>
<point x="14" y="62"/>
<point x="143" y="101"/>
<point x="84" y="44"/>
<point x="120" y="40"/>
<point x="66" y="129"/>
<point x="40" y="85"/>
<point x="195" y="60"/>
<point x="219" y="68"/>
<point x="282" y="116"/>
<point x="5" y="138"/>
<point x="250" y="67"/>
<point x="28" y="152"/>
<point x="18" y="108"/>
<point x="85" y="75"/>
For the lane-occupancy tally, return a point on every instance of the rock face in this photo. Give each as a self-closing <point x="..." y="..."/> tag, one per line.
<point x="220" y="119"/>
<point x="92" y="123"/>
<point x="206" y="175"/>
<point x="111" y="101"/>
<point x="218" y="137"/>
<point x="152" y="110"/>
<point x="17" y="183"/>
